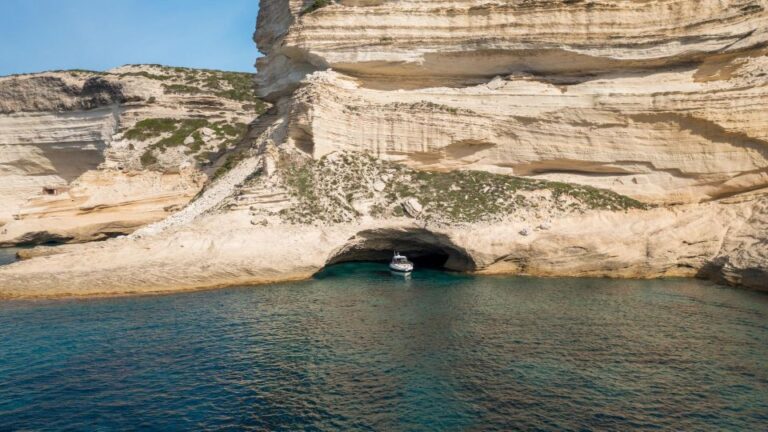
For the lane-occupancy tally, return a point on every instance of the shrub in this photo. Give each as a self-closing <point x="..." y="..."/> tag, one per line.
<point x="232" y="160"/>
<point x="184" y="129"/>
<point x="323" y="190"/>
<point x="148" y="158"/>
<point x="150" y="128"/>
<point x="146" y="74"/>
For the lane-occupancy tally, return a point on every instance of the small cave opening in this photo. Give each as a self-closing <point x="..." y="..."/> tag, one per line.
<point x="425" y="248"/>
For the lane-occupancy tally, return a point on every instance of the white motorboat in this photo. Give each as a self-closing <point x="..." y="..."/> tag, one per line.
<point x="400" y="264"/>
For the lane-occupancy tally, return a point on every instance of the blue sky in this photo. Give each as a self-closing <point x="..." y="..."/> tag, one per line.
<point x="39" y="35"/>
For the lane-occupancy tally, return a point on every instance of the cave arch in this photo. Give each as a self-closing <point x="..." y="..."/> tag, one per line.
<point x="425" y="248"/>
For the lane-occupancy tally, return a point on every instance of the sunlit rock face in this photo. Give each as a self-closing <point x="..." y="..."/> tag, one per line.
<point x="661" y="100"/>
<point x="49" y="148"/>
<point x="462" y="41"/>
<point x="80" y="153"/>
<point x="403" y="125"/>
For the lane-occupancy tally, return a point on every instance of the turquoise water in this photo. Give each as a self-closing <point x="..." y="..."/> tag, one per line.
<point x="359" y="349"/>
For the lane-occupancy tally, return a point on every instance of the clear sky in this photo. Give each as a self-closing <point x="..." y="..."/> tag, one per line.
<point x="39" y="35"/>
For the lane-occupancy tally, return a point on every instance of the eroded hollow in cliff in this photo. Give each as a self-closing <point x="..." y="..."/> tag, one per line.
<point x="423" y="247"/>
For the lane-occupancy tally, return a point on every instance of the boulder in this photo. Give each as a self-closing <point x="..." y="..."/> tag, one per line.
<point x="412" y="207"/>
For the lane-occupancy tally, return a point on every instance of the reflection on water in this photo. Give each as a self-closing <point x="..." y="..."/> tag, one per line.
<point x="357" y="348"/>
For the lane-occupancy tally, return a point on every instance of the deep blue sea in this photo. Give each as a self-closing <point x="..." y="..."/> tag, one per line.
<point x="359" y="349"/>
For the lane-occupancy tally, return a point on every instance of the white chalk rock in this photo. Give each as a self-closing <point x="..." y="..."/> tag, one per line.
<point x="412" y="207"/>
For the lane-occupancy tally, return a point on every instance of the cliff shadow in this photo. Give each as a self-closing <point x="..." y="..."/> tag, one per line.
<point x="423" y="247"/>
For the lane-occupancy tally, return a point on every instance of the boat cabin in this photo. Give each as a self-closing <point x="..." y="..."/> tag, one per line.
<point x="400" y="259"/>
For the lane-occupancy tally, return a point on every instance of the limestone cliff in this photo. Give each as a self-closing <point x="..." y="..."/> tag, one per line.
<point x="548" y="138"/>
<point x="661" y="100"/>
<point x="86" y="155"/>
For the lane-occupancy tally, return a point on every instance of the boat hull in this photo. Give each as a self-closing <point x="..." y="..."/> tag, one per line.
<point x="398" y="268"/>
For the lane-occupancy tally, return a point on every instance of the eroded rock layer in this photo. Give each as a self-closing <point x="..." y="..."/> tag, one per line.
<point x="457" y="41"/>
<point x="662" y="100"/>
<point x="554" y="138"/>
<point x="87" y="155"/>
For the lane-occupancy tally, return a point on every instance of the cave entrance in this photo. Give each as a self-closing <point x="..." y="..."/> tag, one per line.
<point x="425" y="248"/>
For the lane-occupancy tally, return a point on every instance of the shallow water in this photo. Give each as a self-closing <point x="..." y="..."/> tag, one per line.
<point x="7" y="255"/>
<point x="357" y="348"/>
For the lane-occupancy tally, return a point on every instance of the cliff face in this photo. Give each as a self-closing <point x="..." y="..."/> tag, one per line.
<point x="86" y="155"/>
<point x="557" y="138"/>
<point x="467" y="42"/>
<point x="661" y="100"/>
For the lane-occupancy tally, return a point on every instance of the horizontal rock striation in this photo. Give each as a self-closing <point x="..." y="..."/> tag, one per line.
<point x="462" y="41"/>
<point x="547" y="138"/>
<point x="84" y="155"/>
<point x="674" y="143"/>
<point x="660" y="100"/>
<point x="224" y="249"/>
<point x="49" y="148"/>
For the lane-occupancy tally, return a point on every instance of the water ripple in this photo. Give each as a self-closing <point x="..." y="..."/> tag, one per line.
<point x="356" y="349"/>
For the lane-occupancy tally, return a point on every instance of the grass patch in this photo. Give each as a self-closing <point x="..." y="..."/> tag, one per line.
<point x="230" y="129"/>
<point x="146" y="74"/>
<point x="168" y="132"/>
<point x="232" y="160"/>
<point x="241" y="87"/>
<point x="427" y="106"/>
<point x="181" y="89"/>
<point x="325" y="190"/>
<point x="197" y="144"/>
<point x="183" y="130"/>
<point x="148" y="158"/>
<point x="236" y="86"/>
<point x="150" y="128"/>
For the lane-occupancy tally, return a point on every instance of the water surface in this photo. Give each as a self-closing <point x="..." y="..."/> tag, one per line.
<point x="359" y="349"/>
<point x="7" y="255"/>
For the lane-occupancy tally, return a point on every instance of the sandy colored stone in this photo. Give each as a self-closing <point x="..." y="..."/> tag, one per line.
<point x="225" y="250"/>
<point x="65" y="129"/>
<point x="660" y="100"/>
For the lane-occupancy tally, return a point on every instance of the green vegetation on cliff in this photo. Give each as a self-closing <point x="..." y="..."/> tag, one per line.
<point x="344" y="186"/>
<point x="169" y="132"/>
<point x="236" y="86"/>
